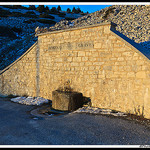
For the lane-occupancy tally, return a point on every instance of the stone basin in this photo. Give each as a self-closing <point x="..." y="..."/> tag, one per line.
<point x="66" y="101"/>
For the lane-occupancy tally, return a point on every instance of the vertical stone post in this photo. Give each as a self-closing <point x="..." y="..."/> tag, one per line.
<point x="37" y="70"/>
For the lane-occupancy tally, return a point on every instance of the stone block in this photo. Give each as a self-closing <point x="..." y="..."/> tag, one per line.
<point x="106" y="29"/>
<point x="131" y="74"/>
<point x="66" y="101"/>
<point x="97" y="45"/>
<point x="77" y="59"/>
<point x="69" y="59"/>
<point x="120" y="58"/>
<point x="107" y="68"/>
<point x="81" y="53"/>
<point x="128" y="54"/>
<point x="141" y="74"/>
<point x="84" y="58"/>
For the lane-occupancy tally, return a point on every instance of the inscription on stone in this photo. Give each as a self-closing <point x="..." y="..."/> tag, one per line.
<point x="70" y="46"/>
<point x="51" y="48"/>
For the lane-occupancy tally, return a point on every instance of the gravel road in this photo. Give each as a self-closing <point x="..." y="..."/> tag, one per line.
<point x="19" y="127"/>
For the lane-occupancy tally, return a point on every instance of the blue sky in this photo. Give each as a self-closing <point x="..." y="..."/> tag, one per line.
<point x="90" y="8"/>
<point x="84" y="6"/>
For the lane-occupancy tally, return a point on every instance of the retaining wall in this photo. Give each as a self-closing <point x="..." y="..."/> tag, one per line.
<point x="19" y="78"/>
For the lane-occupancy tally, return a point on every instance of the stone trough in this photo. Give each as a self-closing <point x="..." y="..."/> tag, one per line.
<point x="63" y="102"/>
<point x="66" y="100"/>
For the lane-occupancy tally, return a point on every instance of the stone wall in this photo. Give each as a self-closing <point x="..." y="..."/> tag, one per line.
<point x="98" y="63"/>
<point x="19" y="78"/>
<point x="94" y="60"/>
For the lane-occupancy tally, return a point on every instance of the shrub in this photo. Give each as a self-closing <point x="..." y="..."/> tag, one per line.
<point x="62" y="14"/>
<point x="69" y="18"/>
<point x="58" y="8"/>
<point x="46" y="16"/>
<point x="53" y="10"/>
<point x="7" y="32"/>
<point x="15" y="6"/>
<point x="30" y="14"/>
<point x="4" y="13"/>
<point x="18" y="30"/>
<point x="46" y="21"/>
<point x="40" y="8"/>
<point x="32" y="7"/>
<point x="29" y="21"/>
<point x="76" y="11"/>
<point x="16" y="14"/>
<point x="68" y="10"/>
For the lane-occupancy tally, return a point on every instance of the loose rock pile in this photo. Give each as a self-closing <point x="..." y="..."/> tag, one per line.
<point x="132" y="20"/>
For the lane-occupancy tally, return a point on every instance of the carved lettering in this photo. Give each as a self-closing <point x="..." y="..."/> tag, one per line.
<point x="71" y="46"/>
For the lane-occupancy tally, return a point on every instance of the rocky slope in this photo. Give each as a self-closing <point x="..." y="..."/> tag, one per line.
<point x="132" y="21"/>
<point x="17" y="30"/>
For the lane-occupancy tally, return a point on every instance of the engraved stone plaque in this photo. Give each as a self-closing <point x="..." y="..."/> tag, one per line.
<point x="71" y="46"/>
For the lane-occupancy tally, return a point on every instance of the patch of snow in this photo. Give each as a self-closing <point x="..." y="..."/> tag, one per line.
<point x="30" y="100"/>
<point x="95" y="110"/>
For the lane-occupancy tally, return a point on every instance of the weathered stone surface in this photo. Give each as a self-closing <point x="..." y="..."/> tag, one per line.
<point x="113" y="74"/>
<point x="20" y="77"/>
<point x="66" y="101"/>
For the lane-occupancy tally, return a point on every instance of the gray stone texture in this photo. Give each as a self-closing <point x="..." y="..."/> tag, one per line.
<point x="66" y="101"/>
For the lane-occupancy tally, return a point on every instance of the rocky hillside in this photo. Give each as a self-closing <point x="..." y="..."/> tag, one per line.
<point x="17" y="26"/>
<point x="17" y="29"/>
<point x="132" y="21"/>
